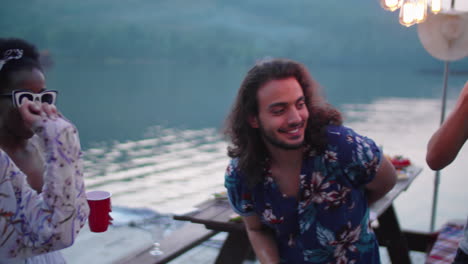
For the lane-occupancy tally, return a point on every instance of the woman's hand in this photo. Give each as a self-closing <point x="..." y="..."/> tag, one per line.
<point x="32" y="112"/>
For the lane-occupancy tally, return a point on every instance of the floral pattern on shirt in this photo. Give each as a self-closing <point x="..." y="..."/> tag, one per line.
<point x="329" y="220"/>
<point x="31" y="223"/>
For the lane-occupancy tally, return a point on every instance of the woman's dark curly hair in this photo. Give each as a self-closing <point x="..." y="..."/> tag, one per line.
<point x="246" y="142"/>
<point x="28" y="61"/>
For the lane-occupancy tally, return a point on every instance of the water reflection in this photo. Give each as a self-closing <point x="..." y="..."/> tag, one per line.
<point x="169" y="171"/>
<point x="120" y="101"/>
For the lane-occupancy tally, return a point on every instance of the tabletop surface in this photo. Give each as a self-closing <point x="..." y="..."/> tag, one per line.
<point x="383" y="203"/>
<point x="216" y="214"/>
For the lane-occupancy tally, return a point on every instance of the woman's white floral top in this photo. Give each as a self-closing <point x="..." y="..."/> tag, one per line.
<point x="32" y="223"/>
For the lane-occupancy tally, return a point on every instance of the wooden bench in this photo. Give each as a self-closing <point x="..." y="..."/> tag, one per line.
<point x="177" y="243"/>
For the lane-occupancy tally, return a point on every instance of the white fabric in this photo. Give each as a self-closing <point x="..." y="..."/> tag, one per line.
<point x="445" y="36"/>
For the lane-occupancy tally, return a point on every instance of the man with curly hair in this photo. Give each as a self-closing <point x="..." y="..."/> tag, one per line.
<point x="301" y="181"/>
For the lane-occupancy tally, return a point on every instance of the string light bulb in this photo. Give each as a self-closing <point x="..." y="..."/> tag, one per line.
<point x="390" y="5"/>
<point x="408" y="13"/>
<point x="420" y="11"/>
<point x="436" y="6"/>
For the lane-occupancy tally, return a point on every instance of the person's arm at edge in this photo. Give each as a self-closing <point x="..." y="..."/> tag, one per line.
<point x="446" y="142"/>
<point x="383" y="181"/>
<point x="262" y="240"/>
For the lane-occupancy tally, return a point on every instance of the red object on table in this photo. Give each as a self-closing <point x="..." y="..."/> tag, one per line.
<point x="400" y="162"/>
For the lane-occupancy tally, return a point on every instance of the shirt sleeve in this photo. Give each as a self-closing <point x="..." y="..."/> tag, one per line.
<point x="240" y="197"/>
<point x="32" y="223"/>
<point x="358" y="155"/>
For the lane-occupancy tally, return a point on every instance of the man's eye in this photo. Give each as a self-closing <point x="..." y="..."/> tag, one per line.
<point x="300" y="105"/>
<point x="277" y="111"/>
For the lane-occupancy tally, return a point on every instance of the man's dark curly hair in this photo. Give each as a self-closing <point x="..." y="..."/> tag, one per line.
<point x="246" y="142"/>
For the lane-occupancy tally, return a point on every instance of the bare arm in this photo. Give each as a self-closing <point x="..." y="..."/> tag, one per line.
<point x="262" y="240"/>
<point x="447" y="141"/>
<point x="383" y="182"/>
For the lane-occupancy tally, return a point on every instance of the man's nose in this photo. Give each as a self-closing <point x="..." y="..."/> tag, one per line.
<point x="294" y="116"/>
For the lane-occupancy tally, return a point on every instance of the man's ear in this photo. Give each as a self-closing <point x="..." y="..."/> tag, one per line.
<point x="253" y="121"/>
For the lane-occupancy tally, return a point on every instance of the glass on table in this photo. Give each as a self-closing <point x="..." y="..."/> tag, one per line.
<point x="156" y="228"/>
<point x="157" y="233"/>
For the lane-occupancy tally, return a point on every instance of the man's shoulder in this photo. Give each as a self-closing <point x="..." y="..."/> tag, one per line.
<point x="232" y="168"/>
<point x="234" y="162"/>
<point x="338" y="136"/>
<point x="336" y="132"/>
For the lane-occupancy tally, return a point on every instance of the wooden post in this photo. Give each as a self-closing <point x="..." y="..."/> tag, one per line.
<point x="389" y="235"/>
<point x="235" y="249"/>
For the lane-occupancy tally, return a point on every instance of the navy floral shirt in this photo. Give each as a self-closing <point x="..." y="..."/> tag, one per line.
<point x="329" y="221"/>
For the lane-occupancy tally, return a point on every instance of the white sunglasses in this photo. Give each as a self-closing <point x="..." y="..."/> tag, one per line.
<point x="18" y="96"/>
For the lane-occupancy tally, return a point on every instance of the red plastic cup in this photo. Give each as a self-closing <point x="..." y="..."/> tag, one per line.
<point x="100" y="207"/>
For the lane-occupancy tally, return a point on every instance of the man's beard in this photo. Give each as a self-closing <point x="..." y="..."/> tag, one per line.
<point x="270" y="137"/>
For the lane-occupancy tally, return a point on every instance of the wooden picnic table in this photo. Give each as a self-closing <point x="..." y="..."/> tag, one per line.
<point x="216" y="214"/>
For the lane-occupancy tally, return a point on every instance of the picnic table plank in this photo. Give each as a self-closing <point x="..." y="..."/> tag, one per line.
<point x="177" y="243"/>
<point x="207" y="210"/>
<point x="383" y="203"/>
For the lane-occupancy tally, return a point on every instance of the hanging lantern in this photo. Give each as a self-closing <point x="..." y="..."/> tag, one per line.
<point x="436" y="6"/>
<point x="415" y="11"/>
<point x="390" y="5"/>
<point x="420" y="11"/>
<point x="407" y="13"/>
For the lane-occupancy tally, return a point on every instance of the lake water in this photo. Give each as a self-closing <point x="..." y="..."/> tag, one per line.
<point x="150" y="130"/>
